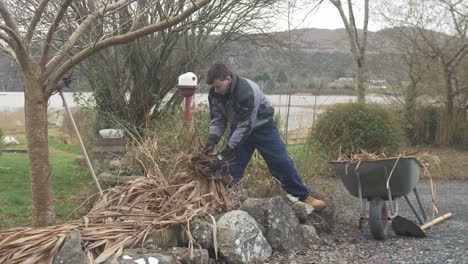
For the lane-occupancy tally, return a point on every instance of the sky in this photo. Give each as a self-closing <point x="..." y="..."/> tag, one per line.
<point x="326" y="16"/>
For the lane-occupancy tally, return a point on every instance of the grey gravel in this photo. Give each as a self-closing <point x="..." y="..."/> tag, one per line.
<point x="446" y="242"/>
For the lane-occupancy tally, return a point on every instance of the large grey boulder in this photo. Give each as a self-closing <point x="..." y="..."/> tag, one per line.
<point x="240" y="240"/>
<point x="200" y="256"/>
<point x="202" y="232"/>
<point x="310" y="234"/>
<point x="71" y="251"/>
<point x="146" y="256"/>
<point x="283" y="230"/>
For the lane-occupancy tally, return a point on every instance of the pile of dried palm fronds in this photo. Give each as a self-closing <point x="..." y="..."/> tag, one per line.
<point x="363" y="155"/>
<point x="421" y="154"/>
<point x="125" y="215"/>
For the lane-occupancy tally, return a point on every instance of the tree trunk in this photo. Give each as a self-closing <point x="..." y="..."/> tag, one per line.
<point x="38" y="150"/>
<point x="359" y="81"/>
<point x="410" y="112"/>
<point x="449" y="106"/>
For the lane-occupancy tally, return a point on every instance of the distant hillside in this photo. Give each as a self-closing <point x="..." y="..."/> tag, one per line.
<point x="319" y="57"/>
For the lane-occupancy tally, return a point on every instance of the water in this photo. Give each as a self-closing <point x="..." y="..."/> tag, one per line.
<point x="303" y="110"/>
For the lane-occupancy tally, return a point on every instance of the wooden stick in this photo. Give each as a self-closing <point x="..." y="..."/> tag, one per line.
<point x="83" y="149"/>
<point x="436" y="221"/>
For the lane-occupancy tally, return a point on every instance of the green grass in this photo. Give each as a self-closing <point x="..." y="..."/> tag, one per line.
<point x="68" y="179"/>
<point x="309" y="161"/>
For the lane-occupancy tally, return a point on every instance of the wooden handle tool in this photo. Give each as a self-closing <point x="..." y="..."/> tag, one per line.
<point x="436" y="221"/>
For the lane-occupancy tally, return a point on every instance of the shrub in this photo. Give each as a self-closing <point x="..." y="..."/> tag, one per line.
<point x="355" y="126"/>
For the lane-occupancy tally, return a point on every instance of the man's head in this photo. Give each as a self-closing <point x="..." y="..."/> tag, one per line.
<point x="220" y="77"/>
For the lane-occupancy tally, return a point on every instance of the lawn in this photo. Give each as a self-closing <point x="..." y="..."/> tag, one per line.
<point x="68" y="178"/>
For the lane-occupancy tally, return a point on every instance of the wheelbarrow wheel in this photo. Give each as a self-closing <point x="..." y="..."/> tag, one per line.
<point x="378" y="218"/>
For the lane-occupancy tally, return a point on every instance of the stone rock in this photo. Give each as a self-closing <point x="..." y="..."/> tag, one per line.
<point x="9" y="140"/>
<point x="145" y="256"/>
<point x="202" y="232"/>
<point x="200" y="256"/>
<point x="262" y="228"/>
<point x="323" y="220"/>
<point x="310" y="234"/>
<point x="283" y="230"/>
<point x="240" y="240"/>
<point x="70" y="251"/>
<point x="302" y="211"/>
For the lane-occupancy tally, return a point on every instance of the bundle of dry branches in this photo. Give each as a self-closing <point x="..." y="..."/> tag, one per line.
<point x="125" y="215"/>
<point x="364" y="155"/>
<point x="421" y="154"/>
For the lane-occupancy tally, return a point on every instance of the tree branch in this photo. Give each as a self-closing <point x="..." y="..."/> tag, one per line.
<point x="365" y="29"/>
<point x="12" y="34"/>
<point x="9" y="52"/>
<point x="456" y="58"/>
<point x="349" y="30"/>
<point x="120" y="39"/>
<point x="50" y="33"/>
<point x="35" y="20"/>
<point x="7" y="39"/>
<point x="8" y="18"/>
<point x="69" y="44"/>
<point x="352" y="22"/>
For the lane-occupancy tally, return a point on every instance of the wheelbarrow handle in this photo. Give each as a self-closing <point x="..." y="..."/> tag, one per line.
<point x="436" y="221"/>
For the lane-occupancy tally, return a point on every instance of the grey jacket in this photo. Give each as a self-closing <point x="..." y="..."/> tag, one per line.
<point x="244" y="108"/>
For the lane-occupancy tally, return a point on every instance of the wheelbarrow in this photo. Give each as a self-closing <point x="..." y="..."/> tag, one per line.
<point x="383" y="181"/>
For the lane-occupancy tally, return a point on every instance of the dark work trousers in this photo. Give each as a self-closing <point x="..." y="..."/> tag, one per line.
<point x="266" y="139"/>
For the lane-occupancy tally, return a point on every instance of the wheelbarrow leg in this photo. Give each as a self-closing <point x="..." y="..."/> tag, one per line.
<point x="362" y="200"/>
<point x="413" y="209"/>
<point x="420" y="204"/>
<point x="362" y="216"/>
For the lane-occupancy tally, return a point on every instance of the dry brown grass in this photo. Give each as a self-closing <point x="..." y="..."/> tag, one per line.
<point x="12" y="120"/>
<point x="85" y="121"/>
<point x="453" y="164"/>
<point x="124" y="217"/>
<point x="169" y="195"/>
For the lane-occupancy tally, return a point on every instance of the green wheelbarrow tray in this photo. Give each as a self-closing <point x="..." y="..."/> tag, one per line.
<point x="373" y="176"/>
<point x="378" y="181"/>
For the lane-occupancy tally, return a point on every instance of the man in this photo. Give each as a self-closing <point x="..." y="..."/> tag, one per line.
<point x="239" y="102"/>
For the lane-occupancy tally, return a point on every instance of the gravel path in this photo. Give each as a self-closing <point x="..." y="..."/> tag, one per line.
<point x="446" y="242"/>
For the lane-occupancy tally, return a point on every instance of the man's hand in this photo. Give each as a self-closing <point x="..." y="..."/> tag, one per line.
<point x="223" y="159"/>
<point x="227" y="154"/>
<point x="207" y="149"/>
<point x="210" y="144"/>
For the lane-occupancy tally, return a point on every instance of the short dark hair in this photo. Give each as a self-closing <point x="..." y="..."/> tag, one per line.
<point x="218" y="71"/>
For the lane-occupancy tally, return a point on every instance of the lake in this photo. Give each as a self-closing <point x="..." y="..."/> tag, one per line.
<point x="301" y="114"/>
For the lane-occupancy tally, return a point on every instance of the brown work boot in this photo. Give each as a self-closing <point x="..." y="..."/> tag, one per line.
<point x="315" y="203"/>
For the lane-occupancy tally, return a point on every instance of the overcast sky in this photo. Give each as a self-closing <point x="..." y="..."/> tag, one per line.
<point x="326" y="16"/>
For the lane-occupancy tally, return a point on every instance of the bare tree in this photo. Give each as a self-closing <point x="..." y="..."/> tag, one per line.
<point x="437" y="30"/>
<point x="29" y="32"/>
<point x="145" y="72"/>
<point x="357" y="41"/>
<point x="405" y="71"/>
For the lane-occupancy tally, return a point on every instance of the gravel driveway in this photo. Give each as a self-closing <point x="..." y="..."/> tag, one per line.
<point x="446" y="242"/>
